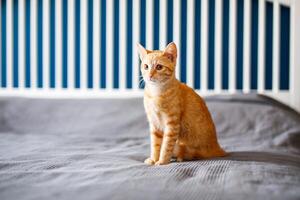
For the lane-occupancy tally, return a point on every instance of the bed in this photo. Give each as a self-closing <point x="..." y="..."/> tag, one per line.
<point x="94" y="149"/>
<point x="72" y="123"/>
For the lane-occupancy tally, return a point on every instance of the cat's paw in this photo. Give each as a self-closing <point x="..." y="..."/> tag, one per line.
<point x="162" y="162"/>
<point x="149" y="161"/>
<point x="179" y="159"/>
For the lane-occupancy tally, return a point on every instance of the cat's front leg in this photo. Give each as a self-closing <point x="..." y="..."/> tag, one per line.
<point x="169" y="140"/>
<point x="156" y="140"/>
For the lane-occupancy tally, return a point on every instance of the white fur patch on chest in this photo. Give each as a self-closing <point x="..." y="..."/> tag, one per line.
<point x="155" y="116"/>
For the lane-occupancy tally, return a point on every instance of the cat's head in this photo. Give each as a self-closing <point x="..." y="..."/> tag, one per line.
<point x="158" y="67"/>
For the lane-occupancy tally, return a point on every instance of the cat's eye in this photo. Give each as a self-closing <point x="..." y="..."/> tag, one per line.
<point x="146" y="67"/>
<point x="158" y="67"/>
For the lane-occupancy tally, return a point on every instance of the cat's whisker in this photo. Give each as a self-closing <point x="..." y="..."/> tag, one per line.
<point x="141" y="82"/>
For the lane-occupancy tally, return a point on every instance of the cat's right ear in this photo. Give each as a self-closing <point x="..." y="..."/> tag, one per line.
<point x="171" y="51"/>
<point x="142" y="51"/>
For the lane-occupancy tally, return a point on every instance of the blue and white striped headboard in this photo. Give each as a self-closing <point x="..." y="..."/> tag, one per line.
<point x="88" y="47"/>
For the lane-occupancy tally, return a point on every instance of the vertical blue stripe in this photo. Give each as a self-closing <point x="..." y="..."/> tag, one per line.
<point x="64" y="44"/>
<point x="225" y="45"/>
<point x="15" y="44"/>
<point x="116" y="45"/>
<point x="103" y="44"/>
<point x="183" y="16"/>
<point x="27" y="43"/>
<point x="90" y="44"/>
<point x="129" y="45"/>
<point x="285" y="48"/>
<point x="170" y="21"/>
<point x="3" y="43"/>
<point x="156" y="25"/>
<point x="254" y="43"/>
<point x="240" y="44"/>
<point x="269" y="45"/>
<point x="52" y="44"/>
<point x="197" y="24"/>
<point x="143" y="23"/>
<point x="77" y="44"/>
<point x="211" y="45"/>
<point x="142" y="31"/>
<point x="40" y="43"/>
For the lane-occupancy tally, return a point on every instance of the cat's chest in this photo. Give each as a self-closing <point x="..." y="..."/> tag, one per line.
<point x="156" y="113"/>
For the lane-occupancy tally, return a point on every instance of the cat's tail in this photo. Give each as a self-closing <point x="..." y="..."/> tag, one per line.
<point x="200" y="153"/>
<point x="217" y="151"/>
<point x="220" y="152"/>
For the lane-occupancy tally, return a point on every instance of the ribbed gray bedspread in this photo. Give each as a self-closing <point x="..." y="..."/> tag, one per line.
<point x="95" y="148"/>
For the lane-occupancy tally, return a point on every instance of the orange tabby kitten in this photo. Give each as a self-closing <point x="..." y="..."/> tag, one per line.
<point x="180" y="123"/>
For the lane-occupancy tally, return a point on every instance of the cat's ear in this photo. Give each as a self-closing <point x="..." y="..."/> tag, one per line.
<point x="142" y="51"/>
<point x="171" y="51"/>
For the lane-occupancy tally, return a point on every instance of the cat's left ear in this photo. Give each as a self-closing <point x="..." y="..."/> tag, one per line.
<point x="171" y="51"/>
<point x="142" y="51"/>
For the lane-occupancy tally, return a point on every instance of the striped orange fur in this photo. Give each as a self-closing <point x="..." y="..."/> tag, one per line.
<point x="180" y="123"/>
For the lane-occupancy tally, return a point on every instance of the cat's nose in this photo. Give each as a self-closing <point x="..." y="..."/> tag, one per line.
<point x="151" y="77"/>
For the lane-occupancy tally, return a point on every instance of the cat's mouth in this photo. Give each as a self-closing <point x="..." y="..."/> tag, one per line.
<point x="156" y="81"/>
<point x="152" y="80"/>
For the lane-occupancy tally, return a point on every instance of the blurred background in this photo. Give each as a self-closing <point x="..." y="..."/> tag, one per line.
<point x="92" y="43"/>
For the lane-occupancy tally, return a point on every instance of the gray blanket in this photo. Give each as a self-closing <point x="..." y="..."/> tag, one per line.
<point x="94" y="149"/>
